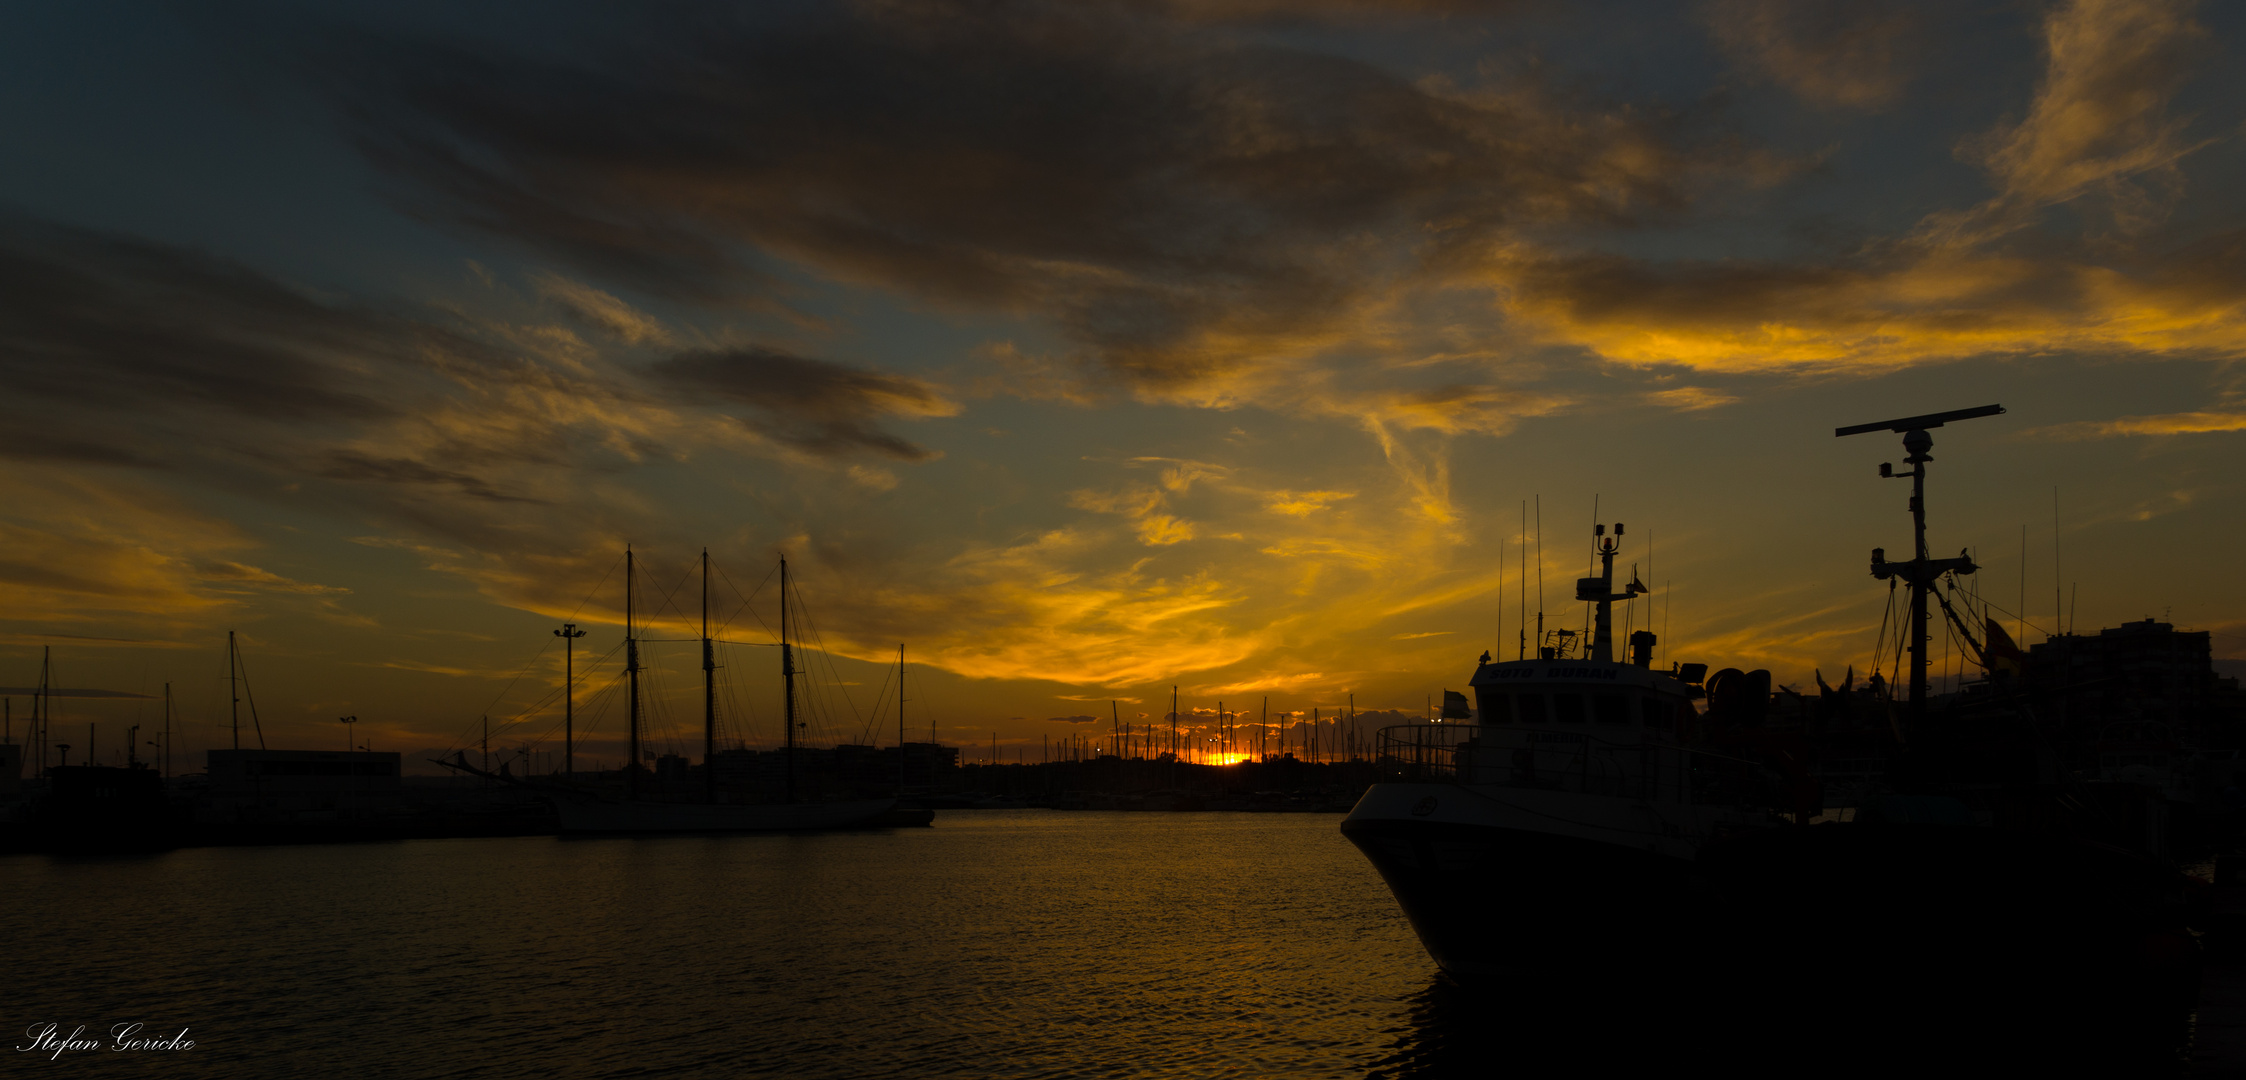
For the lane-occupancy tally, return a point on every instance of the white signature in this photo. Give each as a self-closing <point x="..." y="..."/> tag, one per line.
<point x="49" y="1039"/>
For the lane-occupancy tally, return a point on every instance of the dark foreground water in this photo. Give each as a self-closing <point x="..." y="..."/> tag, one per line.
<point x="998" y="943"/>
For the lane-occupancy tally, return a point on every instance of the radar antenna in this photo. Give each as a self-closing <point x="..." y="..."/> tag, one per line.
<point x="1921" y="572"/>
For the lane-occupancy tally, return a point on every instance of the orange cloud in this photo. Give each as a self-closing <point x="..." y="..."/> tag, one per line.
<point x="2187" y="423"/>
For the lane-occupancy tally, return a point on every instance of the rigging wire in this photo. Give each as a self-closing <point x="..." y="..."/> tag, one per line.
<point x="464" y="738"/>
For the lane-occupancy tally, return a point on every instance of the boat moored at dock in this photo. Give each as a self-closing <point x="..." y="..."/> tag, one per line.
<point x="1571" y="802"/>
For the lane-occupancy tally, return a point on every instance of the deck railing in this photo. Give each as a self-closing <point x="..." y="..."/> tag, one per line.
<point x="1573" y="761"/>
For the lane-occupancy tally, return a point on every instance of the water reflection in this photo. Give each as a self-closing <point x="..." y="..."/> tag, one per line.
<point x="999" y="944"/>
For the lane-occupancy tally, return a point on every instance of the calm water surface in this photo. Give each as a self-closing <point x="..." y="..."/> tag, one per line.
<point x="998" y="943"/>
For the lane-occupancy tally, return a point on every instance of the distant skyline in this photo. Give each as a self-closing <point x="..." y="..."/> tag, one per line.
<point x="1087" y="349"/>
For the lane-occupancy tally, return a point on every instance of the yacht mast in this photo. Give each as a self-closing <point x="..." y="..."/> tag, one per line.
<point x="787" y="678"/>
<point x="233" y="689"/>
<point x="631" y="671"/>
<point x="899" y="715"/>
<point x="709" y="690"/>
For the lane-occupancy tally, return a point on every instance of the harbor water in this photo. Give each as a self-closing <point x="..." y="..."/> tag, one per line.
<point x="995" y="944"/>
<point x="998" y="943"/>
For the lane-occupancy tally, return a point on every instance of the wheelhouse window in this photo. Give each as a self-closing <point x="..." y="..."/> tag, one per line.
<point x="1567" y="708"/>
<point x="1532" y="708"/>
<point x="1655" y="713"/>
<point x="1495" y="708"/>
<point x="1610" y="708"/>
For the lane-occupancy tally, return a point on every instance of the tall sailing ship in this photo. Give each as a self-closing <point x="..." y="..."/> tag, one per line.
<point x="581" y="811"/>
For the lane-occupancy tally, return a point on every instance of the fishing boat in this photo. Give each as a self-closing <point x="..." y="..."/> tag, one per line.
<point x="583" y="811"/>
<point x="1536" y="834"/>
<point x="1976" y="879"/>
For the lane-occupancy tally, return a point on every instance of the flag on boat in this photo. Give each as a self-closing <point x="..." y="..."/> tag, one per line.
<point x="1455" y="707"/>
<point x="2002" y="654"/>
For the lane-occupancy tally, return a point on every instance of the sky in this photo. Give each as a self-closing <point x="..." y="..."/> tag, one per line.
<point x="1085" y="350"/>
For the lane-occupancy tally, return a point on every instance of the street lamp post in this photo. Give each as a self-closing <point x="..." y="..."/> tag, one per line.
<point x="568" y="633"/>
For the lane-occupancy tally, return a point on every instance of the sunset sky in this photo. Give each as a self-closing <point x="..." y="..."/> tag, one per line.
<point x="1085" y="348"/>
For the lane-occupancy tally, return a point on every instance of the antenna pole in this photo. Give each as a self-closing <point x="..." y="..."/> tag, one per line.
<point x="2058" y="594"/>
<point x="167" y="762"/>
<point x="1540" y="577"/>
<point x="631" y="672"/>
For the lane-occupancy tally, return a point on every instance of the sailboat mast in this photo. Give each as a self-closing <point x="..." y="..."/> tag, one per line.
<point x="709" y="690"/>
<point x="899" y="715"/>
<point x="631" y="671"/>
<point x="233" y="688"/>
<point x="43" y="706"/>
<point x="787" y="678"/>
<point x="166" y="767"/>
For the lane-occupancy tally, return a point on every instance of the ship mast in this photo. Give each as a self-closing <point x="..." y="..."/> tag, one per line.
<point x="631" y="672"/>
<point x="43" y="703"/>
<point x="787" y="678"/>
<point x="1921" y="572"/>
<point x="709" y="690"/>
<point x="1600" y="592"/>
<point x="899" y="717"/>
<point x="234" y="689"/>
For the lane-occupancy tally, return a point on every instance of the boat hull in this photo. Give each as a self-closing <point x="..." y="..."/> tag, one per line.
<point x="650" y="818"/>
<point x="1532" y="884"/>
<point x="1962" y="917"/>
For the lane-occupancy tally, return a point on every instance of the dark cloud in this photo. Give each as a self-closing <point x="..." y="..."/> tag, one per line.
<point x="1072" y="720"/>
<point x="815" y="405"/>
<point x="351" y="465"/>
<point x="1151" y="186"/>
<point x="97" y="321"/>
